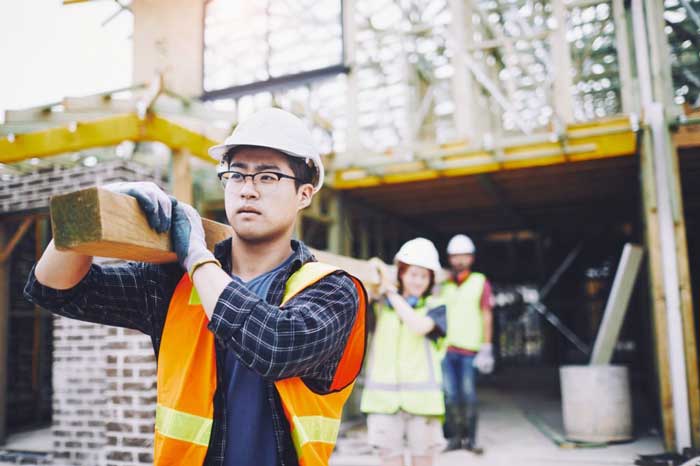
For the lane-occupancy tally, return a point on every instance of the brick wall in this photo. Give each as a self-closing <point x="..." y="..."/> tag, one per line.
<point x="103" y="377"/>
<point x="104" y="395"/>
<point x="131" y="397"/>
<point x="79" y="385"/>
<point x="32" y="191"/>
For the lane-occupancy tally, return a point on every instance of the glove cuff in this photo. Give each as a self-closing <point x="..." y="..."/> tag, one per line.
<point x="197" y="262"/>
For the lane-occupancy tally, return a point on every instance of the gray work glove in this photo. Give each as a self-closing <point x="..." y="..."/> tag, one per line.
<point x="153" y="201"/>
<point x="187" y="234"/>
<point x="484" y="359"/>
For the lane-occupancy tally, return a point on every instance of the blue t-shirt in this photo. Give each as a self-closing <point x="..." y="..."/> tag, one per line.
<point x="250" y="436"/>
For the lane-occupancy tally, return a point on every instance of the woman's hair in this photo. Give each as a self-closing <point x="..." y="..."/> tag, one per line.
<point x="401" y="269"/>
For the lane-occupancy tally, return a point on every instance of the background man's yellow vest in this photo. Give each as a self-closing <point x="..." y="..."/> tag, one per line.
<point x="465" y="326"/>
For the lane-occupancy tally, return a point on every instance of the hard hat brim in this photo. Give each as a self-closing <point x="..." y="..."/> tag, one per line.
<point x="217" y="152"/>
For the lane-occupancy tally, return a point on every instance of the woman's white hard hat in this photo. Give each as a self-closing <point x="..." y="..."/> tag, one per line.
<point x="275" y="129"/>
<point x="421" y="252"/>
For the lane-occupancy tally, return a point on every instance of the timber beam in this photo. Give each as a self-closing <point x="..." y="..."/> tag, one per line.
<point x="98" y="222"/>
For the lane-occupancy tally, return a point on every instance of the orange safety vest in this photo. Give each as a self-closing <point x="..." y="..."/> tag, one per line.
<point x="187" y="381"/>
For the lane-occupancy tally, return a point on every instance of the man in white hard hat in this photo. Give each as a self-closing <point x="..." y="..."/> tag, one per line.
<point x="242" y="359"/>
<point x="469" y="301"/>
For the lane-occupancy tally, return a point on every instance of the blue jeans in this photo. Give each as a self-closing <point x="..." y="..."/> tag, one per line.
<point x="459" y="379"/>
<point x="459" y="386"/>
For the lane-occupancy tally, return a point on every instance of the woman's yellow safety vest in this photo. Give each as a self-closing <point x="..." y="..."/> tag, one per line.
<point x="187" y="381"/>
<point x="465" y="326"/>
<point x="403" y="371"/>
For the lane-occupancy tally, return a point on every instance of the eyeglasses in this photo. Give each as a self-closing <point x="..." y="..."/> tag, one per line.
<point x="267" y="181"/>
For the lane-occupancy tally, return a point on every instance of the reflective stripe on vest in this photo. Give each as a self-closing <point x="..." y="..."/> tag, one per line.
<point x="187" y="381"/>
<point x="465" y="325"/>
<point x="404" y="369"/>
<point x="182" y="426"/>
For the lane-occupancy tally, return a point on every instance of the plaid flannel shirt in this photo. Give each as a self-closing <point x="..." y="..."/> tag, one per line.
<point x="304" y="338"/>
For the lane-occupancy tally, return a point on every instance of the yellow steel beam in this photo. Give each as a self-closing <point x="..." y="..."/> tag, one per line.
<point x="75" y="137"/>
<point x="105" y="132"/>
<point x="179" y="137"/>
<point x="587" y="141"/>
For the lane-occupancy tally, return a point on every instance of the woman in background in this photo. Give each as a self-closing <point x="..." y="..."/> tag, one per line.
<point x="403" y="392"/>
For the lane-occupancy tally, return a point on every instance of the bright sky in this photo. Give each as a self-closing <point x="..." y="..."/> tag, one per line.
<point x="49" y="51"/>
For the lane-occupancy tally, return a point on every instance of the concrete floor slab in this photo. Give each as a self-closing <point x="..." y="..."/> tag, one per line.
<point x="509" y="439"/>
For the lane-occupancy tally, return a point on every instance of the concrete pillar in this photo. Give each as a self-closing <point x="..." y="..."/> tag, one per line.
<point x="4" y="321"/>
<point x="463" y="90"/>
<point x="561" y="59"/>
<point x="169" y="39"/>
<point x="181" y="176"/>
<point x="624" y="57"/>
<point x="336" y="230"/>
<point x="352" y="135"/>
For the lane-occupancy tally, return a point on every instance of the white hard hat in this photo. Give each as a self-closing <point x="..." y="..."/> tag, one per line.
<point x="420" y="252"/>
<point x="275" y="129"/>
<point x="460" y="244"/>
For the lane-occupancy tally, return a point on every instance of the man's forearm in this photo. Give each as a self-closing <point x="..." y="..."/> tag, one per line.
<point x="487" y="318"/>
<point x="61" y="270"/>
<point x="210" y="280"/>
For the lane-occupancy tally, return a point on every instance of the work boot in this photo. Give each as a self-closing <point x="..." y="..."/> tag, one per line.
<point x="454" y="443"/>
<point x="469" y="443"/>
<point x="454" y="426"/>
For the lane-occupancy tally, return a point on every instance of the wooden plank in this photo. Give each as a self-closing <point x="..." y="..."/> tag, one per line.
<point x="616" y="307"/>
<point x="686" y="300"/>
<point x="98" y="222"/>
<point x="687" y="137"/>
<point x="660" y="330"/>
<point x="6" y="251"/>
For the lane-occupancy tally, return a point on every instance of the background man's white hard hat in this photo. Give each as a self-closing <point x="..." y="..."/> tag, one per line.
<point x="460" y="244"/>
<point x="275" y="129"/>
<point x="420" y="252"/>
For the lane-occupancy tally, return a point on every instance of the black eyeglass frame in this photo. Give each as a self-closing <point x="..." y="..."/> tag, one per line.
<point x="253" y="175"/>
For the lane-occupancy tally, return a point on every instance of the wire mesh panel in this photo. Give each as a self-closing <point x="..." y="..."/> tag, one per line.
<point x="245" y="42"/>
<point x="682" y="19"/>
<point x="591" y="32"/>
<point x="410" y="60"/>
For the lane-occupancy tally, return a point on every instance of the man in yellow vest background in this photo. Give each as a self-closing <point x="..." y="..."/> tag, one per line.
<point x="469" y="300"/>
<point x="258" y="345"/>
